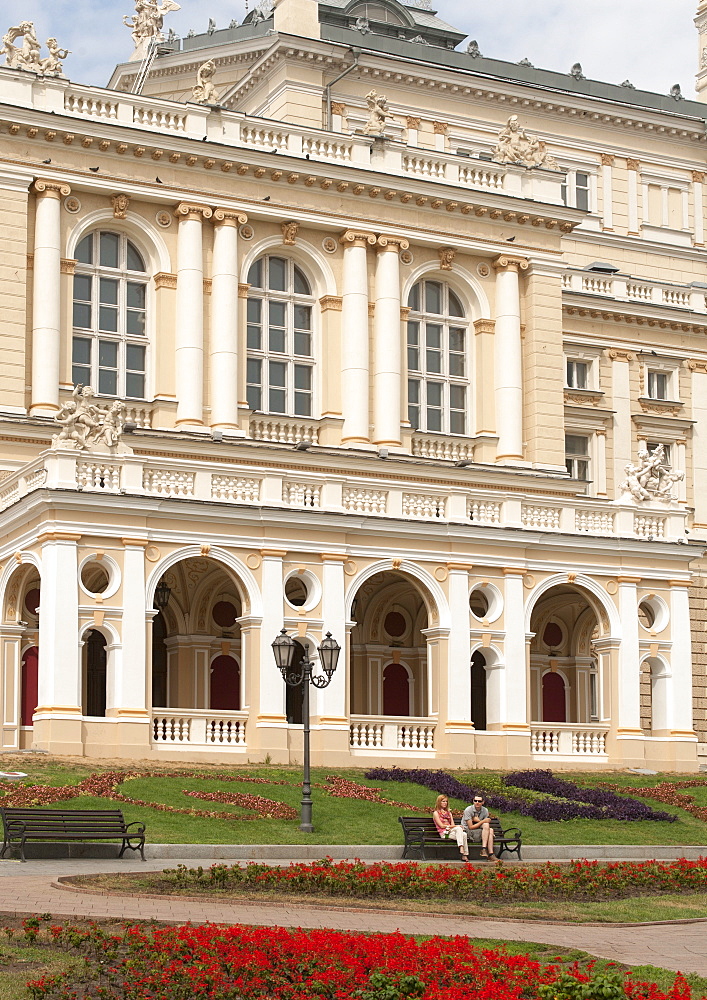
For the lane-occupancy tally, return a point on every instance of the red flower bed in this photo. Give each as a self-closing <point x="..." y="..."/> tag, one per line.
<point x="410" y="880"/>
<point x="215" y="962"/>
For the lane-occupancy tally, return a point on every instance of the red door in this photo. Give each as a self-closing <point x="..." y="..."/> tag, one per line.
<point x="554" y="704"/>
<point x="225" y="689"/>
<point x="396" y="690"/>
<point x="30" y="681"/>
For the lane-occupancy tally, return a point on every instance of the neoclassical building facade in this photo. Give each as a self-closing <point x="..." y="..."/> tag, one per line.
<point x="377" y="337"/>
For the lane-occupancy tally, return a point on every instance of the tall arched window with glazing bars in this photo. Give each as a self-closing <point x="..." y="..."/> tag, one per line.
<point x="109" y="348"/>
<point x="280" y="363"/>
<point x="437" y="359"/>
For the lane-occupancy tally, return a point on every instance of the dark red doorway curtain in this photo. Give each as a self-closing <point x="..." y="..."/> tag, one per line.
<point x="554" y="705"/>
<point x="30" y="682"/>
<point x="225" y="689"/>
<point x="396" y="690"/>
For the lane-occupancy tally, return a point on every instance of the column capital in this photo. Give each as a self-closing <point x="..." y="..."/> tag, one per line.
<point x="229" y="217"/>
<point x="632" y="164"/>
<point x="696" y="366"/>
<point x="508" y="263"/>
<point x="357" y="238"/>
<point x="392" y="244"/>
<point x="607" y="159"/>
<point x="698" y="177"/>
<point x="619" y="354"/>
<point x="59" y="536"/>
<point x="51" y="189"/>
<point x="485" y="326"/>
<point x="187" y="210"/>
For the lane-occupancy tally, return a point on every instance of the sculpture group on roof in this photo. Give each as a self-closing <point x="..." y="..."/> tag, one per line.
<point x="28" y="56"/>
<point x="147" y="21"/>
<point x="377" y="113"/>
<point x="204" y="91"/>
<point x="652" y="478"/>
<point x="514" y="145"/>
<point x="85" y="424"/>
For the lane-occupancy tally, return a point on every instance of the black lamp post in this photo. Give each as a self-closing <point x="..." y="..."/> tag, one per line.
<point x="162" y="595"/>
<point x="284" y="651"/>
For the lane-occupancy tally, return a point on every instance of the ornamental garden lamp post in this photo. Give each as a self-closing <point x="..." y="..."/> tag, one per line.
<point x="284" y="650"/>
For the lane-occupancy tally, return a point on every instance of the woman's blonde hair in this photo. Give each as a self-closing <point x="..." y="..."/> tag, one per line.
<point x="440" y="800"/>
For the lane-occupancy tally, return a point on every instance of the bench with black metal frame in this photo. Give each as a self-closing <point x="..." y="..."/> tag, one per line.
<point x="421" y="836"/>
<point x="21" y="826"/>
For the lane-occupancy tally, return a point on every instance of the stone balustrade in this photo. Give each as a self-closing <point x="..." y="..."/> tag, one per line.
<point x="568" y="740"/>
<point x="376" y="732"/>
<point x="204" y="729"/>
<point x="624" y="288"/>
<point x="465" y="503"/>
<point x="157" y="116"/>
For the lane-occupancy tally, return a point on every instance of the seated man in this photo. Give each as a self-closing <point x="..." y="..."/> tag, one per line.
<point x="477" y="822"/>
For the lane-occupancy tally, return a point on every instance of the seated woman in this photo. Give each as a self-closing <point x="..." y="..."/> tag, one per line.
<point x="476" y="821"/>
<point x="446" y="828"/>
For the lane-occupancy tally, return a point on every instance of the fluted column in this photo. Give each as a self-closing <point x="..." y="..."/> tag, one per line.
<point x="508" y="366"/>
<point x="223" y="360"/>
<point x="189" y="326"/>
<point x="387" y="364"/>
<point x="46" y="297"/>
<point x="355" y="361"/>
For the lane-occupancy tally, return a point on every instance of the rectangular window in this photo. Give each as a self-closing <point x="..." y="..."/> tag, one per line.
<point x="254" y="386"/>
<point x="81" y="361"/>
<point x="108" y="305"/>
<point x="276" y="327"/>
<point x="652" y="445"/>
<point x="135" y="318"/>
<point x="108" y="367"/>
<point x="255" y="333"/>
<point x="582" y="191"/>
<point x="303" y="391"/>
<point x="434" y="406"/>
<point x="658" y="384"/>
<point x="135" y="371"/>
<point x="277" y="394"/>
<point x="457" y="409"/>
<point x="577" y="456"/>
<point x="577" y="374"/>
<point x="413" y="347"/>
<point x="83" y="288"/>
<point x="414" y="403"/>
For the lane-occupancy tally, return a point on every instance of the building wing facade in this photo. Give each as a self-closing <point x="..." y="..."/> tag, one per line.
<point x="326" y="322"/>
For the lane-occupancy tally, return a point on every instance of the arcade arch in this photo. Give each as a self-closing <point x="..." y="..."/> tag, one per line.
<point x="20" y="651"/>
<point x="389" y="649"/>
<point x="566" y="681"/>
<point x="197" y="641"/>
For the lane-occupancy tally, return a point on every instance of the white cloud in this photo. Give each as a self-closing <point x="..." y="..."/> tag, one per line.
<point x="650" y="42"/>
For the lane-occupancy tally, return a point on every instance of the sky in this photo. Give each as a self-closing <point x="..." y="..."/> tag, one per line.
<point x="652" y="43"/>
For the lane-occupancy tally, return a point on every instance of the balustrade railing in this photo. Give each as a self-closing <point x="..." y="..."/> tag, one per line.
<point x="567" y="740"/>
<point x="625" y="288"/>
<point x="385" y="733"/>
<point x="198" y="728"/>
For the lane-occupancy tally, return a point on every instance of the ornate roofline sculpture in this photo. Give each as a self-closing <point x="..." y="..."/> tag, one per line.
<point x="514" y="145"/>
<point x="204" y="91"/>
<point x="147" y="21"/>
<point x="86" y="426"/>
<point x="28" y="57"/>
<point x="377" y="113"/>
<point x="652" y="479"/>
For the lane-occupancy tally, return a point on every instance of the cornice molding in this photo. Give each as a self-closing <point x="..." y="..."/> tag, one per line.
<point x="616" y="316"/>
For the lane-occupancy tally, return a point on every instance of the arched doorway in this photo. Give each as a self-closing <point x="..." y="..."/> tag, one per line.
<point x="566" y="686"/>
<point x="554" y="698"/>
<point x="95" y="662"/>
<point x="29" y="686"/>
<point x="294" y="696"/>
<point x="478" y="690"/>
<point x="225" y="684"/>
<point x="396" y="690"/>
<point x="388" y="648"/>
<point x="196" y="637"/>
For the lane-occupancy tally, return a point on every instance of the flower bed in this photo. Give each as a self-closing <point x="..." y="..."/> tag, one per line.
<point x="562" y="799"/>
<point x="215" y="962"/>
<point x="409" y="880"/>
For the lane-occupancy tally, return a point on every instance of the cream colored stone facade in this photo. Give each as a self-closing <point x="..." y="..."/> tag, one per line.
<point x="378" y="385"/>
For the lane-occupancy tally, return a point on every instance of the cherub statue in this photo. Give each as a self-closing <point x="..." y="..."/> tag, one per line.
<point x="112" y="426"/>
<point x="83" y="423"/>
<point x="148" y="19"/>
<point x="52" y="64"/>
<point x="514" y="145"/>
<point x="377" y="113"/>
<point x="632" y="485"/>
<point x="204" y="92"/>
<point x="26" y="57"/>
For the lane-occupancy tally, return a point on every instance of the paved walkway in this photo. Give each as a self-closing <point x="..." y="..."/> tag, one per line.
<point x="32" y="888"/>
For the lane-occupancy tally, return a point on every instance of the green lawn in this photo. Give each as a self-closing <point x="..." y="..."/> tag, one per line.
<point x="339" y="821"/>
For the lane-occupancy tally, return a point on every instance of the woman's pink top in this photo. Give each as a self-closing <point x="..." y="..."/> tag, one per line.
<point x="443" y="820"/>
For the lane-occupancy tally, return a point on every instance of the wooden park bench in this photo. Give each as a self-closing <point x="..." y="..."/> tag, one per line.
<point x="24" y="825"/>
<point x="423" y="840"/>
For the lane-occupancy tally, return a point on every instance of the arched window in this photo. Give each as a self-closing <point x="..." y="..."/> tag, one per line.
<point x="109" y="344"/>
<point x="280" y="365"/>
<point x="437" y="359"/>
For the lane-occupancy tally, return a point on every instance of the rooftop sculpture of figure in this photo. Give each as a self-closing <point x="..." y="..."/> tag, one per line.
<point x="514" y="145"/>
<point x="204" y="91"/>
<point x="84" y="423"/>
<point x="147" y="21"/>
<point x="52" y="64"/>
<point x="26" y="57"/>
<point x="652" y="477"/>
<point x="377" y="114"/>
